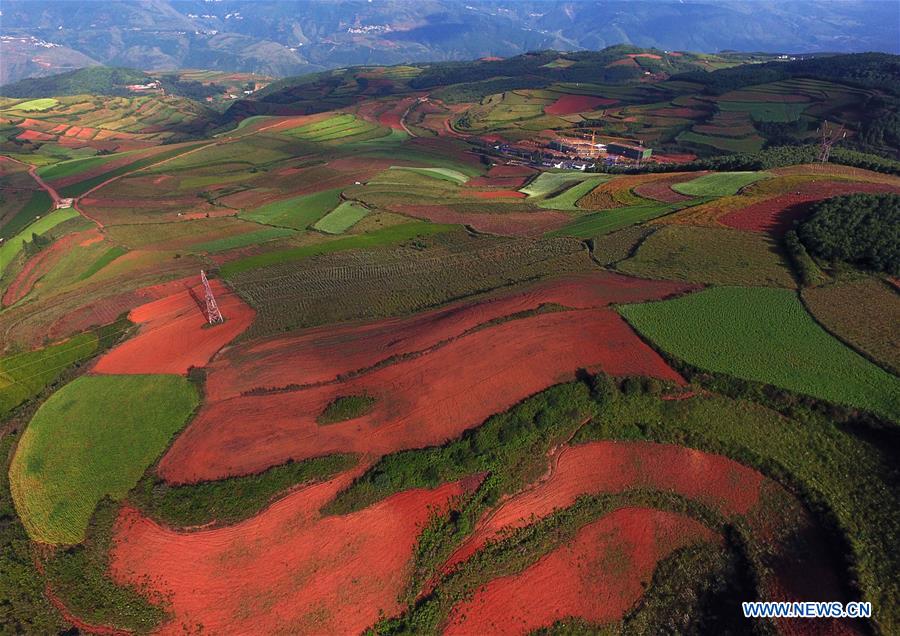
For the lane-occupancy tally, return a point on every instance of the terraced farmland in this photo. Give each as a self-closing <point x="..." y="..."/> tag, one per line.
<point x="444" y="388"/>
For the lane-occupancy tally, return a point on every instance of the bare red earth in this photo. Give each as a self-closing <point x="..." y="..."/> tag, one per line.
<point x="610" y="467"/>
<point x="174" y="335"/>
<point x="392" y="117"/>
<point x="105" y="310"/>
<point x="571" y="104"/>
<point x="322" y="354"/>
<point x="496" y="194"/>
<point x="418" y="403"/>
<point x="777" y="215"/>
<point x="661" y="189"/>
<point x="34" y="135"/>
<point x="596" y="576"/>
<point x="287" y="570"/>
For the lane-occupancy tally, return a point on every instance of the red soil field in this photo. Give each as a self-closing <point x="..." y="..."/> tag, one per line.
<point x="507" y="177"/>
<point x="506" y="224"/>
<point x="661" y="190"/>
<point x="34" y="135"/>
<point x="651" y="56"/>
<point x="571" y="104"/>
<point x="322" y="354"/>
<point x="498" y="171"/>
<point x="392" y="116"/>
<point x="496" y="194"/>
<point x="103" y="310"/>
<point x="174" y="336"/>
<point x="625" y="61"/>
<point x="43" y="262"/>
<point x="417" y="402"/>
<point x="36" y="124"/>
<point x="596" y="576"/>
<point x="287" y="570"/>
<point x="609" y="467"/>
<point x="506" y="183"/>
<point x="777" y="215"/>
<point x="679" y="157"/>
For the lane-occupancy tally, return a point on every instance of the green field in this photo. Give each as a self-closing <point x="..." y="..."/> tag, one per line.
<point x="767" y="336"/>
<point x="45" y="103"/>
<point x="447" y="174"/>
<point x="9" y="249"/>
<point x="243" y="240"/>
<point x="105" y="259"/>
<point x="38" y="205"/>
<point x="719" y="184"/>
<point x="93" y="438"/>
<point x="568" y="199"/>
<point x="297" y="212"/>
<point x="548" y="183"/>
<point x="78" y="166"/>
<point x="599" y="223"/>
<point x="342" y="218"/>
<point x="379" y="238"/>
<point x="717" y="256"/>
<point x="767" y="111"/>
<point x="24" y="375"/>
<point x="343" y="128"/>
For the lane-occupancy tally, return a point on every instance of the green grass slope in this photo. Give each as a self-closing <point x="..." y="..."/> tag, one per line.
<point x="297" y="212"/>
<point x="9" y="249"/>
<point x="342" y="218"/>
<point x="718" y="184"/>
<point x="93" y="438"/>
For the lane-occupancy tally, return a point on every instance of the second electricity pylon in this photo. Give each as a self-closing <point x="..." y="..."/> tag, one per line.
<point x="829" y="139"/>
<point x="213" y="315"/>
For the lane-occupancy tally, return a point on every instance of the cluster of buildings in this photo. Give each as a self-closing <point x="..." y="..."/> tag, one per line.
<point x="570" y="153"/>
<point x="584" y="148"/>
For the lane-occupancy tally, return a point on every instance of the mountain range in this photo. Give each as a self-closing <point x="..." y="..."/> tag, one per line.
<point x="290" y="37"/>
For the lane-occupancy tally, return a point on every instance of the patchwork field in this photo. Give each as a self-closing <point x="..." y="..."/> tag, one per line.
<point x="455" y="390"/>
<point x="765" y="335"/>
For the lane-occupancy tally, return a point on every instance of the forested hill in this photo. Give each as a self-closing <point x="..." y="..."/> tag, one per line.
<point x="96" y="80"/>
<point x="866" y="70"/>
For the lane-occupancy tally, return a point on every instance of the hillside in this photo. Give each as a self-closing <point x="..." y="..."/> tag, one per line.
<point x="567" y="342"/>
<point x="289" y="37"/>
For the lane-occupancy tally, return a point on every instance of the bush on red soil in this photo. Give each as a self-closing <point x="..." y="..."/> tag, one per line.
<point x="777" y="215"/>
<point x="596" y="576"/>
<point x="287" y="570"/>
<point x="419" y="402"/>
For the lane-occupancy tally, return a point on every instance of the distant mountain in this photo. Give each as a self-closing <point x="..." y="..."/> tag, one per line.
<point x="290" y="37"/>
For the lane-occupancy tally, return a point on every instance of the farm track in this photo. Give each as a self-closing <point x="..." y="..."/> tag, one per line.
<point x="32" y="171"/>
